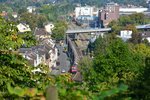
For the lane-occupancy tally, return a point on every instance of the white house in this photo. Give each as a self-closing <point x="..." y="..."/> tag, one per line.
<point x="125" y="35"/>
<point x="146" y="35"/>
<point x="53" y="52"/>
<point x="30" y="9"/>
<point x="45" y="53"/>
<point x="49" y="27"/>
<point x="23" y="27"/>
<point x="14" y="14"/>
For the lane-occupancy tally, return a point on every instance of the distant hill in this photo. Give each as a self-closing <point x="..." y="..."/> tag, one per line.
<point x="103" y="2"/>
<point x="17" y="4"/>
<point x="83" y="2"/>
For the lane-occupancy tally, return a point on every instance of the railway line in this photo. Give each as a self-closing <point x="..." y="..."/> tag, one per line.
<point x="77" y="57"/>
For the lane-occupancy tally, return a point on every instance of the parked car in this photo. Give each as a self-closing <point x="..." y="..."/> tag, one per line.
<point x="63" y="70"/>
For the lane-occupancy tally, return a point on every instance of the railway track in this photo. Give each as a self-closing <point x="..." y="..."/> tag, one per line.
<point x="77" y="57"/>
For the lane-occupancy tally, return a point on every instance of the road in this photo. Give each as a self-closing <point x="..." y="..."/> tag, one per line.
<point x="64" y="62"/>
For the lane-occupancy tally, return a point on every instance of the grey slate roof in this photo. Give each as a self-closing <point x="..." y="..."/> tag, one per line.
<point x="40" y="31"/>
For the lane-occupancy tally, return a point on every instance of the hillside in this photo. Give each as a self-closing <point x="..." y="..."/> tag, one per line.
<point x="102" y="2"/>
<point x="83" y="2"/>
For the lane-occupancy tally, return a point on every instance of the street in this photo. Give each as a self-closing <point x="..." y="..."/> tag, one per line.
<point x="64" y="63"/>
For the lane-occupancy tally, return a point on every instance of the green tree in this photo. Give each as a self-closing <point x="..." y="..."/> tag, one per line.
<point x="33" y="20"/>
<point x="114" y="63"/>
<point x="22" y="10"/>
<point x="125" y="20"/>
<point x="41" y="21"/>
<point x="14" y="70"/>
<point x="4" y="7"/>
<point x="115" y="26"/>
<point x="117" y="62"/>
<point x="138" y="18"/>
<point x="9" y="38"/>
<point x="136" y="37"/>
<point x="129" y="22"/>
<point x="28" y="39"/>
<point x="58" y="33"/>
<point x="30" y="19"/>
<point x="140" y="86"/>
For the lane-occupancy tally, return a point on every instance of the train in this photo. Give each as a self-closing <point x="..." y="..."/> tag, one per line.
<point x="73" y="69"/>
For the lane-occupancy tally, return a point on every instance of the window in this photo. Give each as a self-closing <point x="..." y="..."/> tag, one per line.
<point x="105" y="16"/>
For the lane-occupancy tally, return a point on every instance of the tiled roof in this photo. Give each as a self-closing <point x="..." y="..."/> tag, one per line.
<point x="23" y="50"/>
<point x="40" y="31"/>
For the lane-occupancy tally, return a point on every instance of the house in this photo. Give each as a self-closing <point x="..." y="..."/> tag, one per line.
<point x="3" y="14"/>
<point x="31" y="9"/>
<point x="125" y="35"/>
<point x="49" y="27"/>
<point x="53" y="52"/>
<point x="46" y="53"/>
<point x="34" y="55"/>
<point x="41" y="33"/>
<point x="87" y="10"/>
<point x="145" y="31"/>
<point x="22" y="27"/>
<point x="146" y="35"/>
<point x="15" y="15"/>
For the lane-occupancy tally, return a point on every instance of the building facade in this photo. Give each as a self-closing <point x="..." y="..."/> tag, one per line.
<point x="22" y="27"/>
<point x="108" y="14"/>
<point x="125" y="35"/>
<point x="49" y="27"/>
<point x="83" y="11"/>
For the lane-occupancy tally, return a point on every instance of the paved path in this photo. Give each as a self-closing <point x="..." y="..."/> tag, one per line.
<point x="63" y="59"/>
<point x="64" y="62"/>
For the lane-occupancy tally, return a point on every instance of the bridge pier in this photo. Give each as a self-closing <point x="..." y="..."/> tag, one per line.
<point x="70" y="51"/>
<point x="76" y="36"/>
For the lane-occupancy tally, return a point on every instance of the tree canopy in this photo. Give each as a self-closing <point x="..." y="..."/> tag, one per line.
<point x="33" y="20"/>
<point x="58" y="33"/>
<point x="9" y="38"/>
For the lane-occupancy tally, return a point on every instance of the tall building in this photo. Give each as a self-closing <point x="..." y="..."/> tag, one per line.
<point x="108" y="14"/>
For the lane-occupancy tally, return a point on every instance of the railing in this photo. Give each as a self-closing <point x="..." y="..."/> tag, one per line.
<point x="89" y="30"/>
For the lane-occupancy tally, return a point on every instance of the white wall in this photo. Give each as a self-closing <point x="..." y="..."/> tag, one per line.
<point x="83" y="11"/>
<point x="23" y="28"/>
<point x="53" y="58"/>
<point x="126" y="33"/>
<point x="148" y="39"/>
<point x="49" y="27"/>
<point x="30" y="9"/>
<point x="137" y="10"/>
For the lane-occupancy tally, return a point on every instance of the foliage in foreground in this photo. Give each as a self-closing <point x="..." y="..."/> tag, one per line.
<point x="118" y="62"/>
<point x="64" y="89"/>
